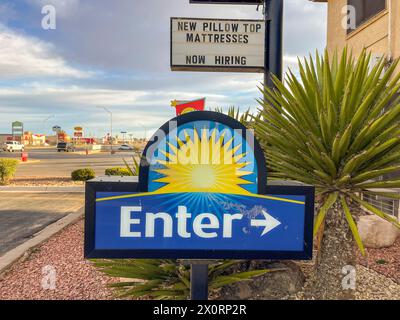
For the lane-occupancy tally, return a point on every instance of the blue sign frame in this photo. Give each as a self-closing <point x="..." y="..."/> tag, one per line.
<point x="104" y="199"/>
<point x="90" y="226"/>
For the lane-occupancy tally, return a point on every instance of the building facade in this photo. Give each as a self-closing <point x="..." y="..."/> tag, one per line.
<point x="375" y="26"/>
<point x="359" y="24"/>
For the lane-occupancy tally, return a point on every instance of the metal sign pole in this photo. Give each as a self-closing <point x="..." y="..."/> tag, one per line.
<point x="273" y="10"/>
<point x="198" y="280"/>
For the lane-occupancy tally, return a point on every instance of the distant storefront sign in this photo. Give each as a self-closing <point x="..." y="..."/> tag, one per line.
<point x="217" y="45"/>
<point x="78" y="132"/>
<point x="38" y="139"/>
<point x="17" y="128"/>
<point x="62" y="136"/>
<point x="56" y="129"/>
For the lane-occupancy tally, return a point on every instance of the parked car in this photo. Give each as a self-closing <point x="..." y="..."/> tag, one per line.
<point x="12" y="146"/>
<point x="65" y="146"/>
<point x="125" y="147"/>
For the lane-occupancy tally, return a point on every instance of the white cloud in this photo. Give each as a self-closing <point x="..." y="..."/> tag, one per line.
<point x="130" y="53"/>
<point x="25" y="56"/>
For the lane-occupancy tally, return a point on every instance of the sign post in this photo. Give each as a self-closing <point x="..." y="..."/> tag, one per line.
<point x="199" y="279"/>
<point x="273" y="10"/>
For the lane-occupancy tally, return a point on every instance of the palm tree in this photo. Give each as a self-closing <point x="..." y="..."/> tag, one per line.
<point x="335" y="126"/>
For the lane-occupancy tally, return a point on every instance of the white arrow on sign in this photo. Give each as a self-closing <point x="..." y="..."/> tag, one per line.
<point x="268" y="223"/>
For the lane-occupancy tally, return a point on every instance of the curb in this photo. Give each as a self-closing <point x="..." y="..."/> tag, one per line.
<point x="28" y="162"/>
<point x="51" y="189"/>
<point x="83" y="153"/>
<point x="14" y="255"/>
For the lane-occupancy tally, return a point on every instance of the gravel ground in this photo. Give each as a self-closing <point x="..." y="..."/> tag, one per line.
<point x="76" y="278"/>
<point x="372" y="285"/>
<point x="375" y="281"/>
<point x="44" y="181"/>
<point x="385" y="261"/>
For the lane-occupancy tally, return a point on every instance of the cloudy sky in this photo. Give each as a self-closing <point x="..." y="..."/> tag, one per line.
<point x="116" y="54"/>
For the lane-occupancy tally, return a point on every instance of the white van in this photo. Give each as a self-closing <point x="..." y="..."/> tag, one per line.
<point x="12" y="146"/>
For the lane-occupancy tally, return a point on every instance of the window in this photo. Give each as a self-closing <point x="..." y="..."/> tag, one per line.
<point x="386" y="205"/>
<point x="366" y="9"/>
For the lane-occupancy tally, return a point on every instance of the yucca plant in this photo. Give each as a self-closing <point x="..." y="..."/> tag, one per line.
<point x="134" y="168"/>
<point x="234" y="112"/>
<point x="335" y="126"/>
<point x="169" y="279"/>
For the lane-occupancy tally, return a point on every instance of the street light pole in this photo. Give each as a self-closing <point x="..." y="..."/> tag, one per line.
<point x="111" y="125"/>
<point x="44" y="122"/>
<point x="145" y="130"/>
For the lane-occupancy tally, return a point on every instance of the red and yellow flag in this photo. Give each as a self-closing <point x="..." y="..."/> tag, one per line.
<point x="183" y="107"/>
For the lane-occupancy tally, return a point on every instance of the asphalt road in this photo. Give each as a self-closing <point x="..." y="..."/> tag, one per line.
<point x="47" y="162"/>
<point x="24" y="214"/>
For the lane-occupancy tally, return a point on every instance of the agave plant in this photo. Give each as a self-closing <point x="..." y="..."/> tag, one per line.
<point x="168" y="279"/>
<point x="335" y="126"/>
<point x="244" y="118"/>
<point x="134" y="168"/>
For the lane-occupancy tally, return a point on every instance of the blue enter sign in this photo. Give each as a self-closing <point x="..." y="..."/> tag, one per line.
<point x="200" y="225"/>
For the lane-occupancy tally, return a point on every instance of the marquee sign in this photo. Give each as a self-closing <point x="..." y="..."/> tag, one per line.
<point x="201" y="194"/>
<point x="217" y="45"/>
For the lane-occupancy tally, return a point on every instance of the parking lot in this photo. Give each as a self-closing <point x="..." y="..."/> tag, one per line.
<point x="47" y="162"/>
<point x="24" y="214"/>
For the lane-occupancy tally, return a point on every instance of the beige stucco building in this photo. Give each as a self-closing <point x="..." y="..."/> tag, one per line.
<point x="370" y="24"/>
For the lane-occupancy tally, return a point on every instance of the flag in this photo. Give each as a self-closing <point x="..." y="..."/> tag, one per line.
<point x="183" y="107"/>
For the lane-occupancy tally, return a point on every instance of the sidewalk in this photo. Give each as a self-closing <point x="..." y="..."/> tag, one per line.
<point x="40" y="189"/>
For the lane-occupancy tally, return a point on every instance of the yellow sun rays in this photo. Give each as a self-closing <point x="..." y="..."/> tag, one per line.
<point x="203" y="164"/>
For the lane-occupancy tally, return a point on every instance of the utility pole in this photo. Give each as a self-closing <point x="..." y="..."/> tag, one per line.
<point x="145" y="130"/>
<point x="111" y="126"/>
<point x="44" y="122"/>
<point x="273" y="14"/>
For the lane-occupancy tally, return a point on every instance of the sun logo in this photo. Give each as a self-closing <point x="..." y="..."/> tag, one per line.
<point x="203" y="164"/>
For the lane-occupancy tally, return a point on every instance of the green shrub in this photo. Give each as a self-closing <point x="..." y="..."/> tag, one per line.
<point x="117" y="171"/>
<point x="8" y="167"/>
<point x="83" y="174"/>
